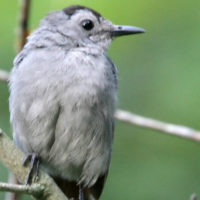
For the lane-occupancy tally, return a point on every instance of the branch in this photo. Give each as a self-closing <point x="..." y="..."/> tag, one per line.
<point x="177" y="130"/>
<point x="13" y="158"/>
<point x="23" y="22"/>
<point x="12" y="195"/>
<point x="4" y="76"/>
<point x="22" y="34"/>
<point x="34" y="189"/>
<point x="148" y="123"/>
<point x="193" y="197"/>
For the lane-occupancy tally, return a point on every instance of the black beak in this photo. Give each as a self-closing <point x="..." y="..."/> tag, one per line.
<point x="125" y="30"/>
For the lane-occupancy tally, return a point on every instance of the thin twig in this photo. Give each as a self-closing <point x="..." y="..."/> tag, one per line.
<point x="23" y="22"/>
<point x="34" y="189"/>
<point x="144" y="122"/>
<point x="12" y="195"/>
<point x="149" y="123"/>
<point x="193" y="197"/>
<point x="4" y="76"/>
<point x="21" y="40"/>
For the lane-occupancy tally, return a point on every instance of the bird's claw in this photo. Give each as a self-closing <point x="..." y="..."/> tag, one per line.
<point x="34" y="167"/>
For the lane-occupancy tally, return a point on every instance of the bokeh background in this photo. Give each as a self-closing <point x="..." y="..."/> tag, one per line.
<point x="159" y="77"/>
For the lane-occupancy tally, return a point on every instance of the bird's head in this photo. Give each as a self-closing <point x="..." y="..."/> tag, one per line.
<point x="87" y="27"/>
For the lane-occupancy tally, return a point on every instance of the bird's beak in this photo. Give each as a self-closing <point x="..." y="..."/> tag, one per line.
<point x="119" y="30"/>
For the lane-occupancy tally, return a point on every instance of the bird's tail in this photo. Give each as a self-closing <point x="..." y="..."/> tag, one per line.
<point x="71" y="189"/>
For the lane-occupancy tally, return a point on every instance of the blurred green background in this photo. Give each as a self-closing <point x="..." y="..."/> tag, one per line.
<point x="159" y="77"/>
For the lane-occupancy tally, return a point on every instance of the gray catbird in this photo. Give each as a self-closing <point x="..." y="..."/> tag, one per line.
<point x="63" y="95"/>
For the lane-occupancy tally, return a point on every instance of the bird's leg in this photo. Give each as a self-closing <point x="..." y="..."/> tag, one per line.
<point x="37" y="167"/>
<point x="34" y="166"/>
<point x="80" y="192"/>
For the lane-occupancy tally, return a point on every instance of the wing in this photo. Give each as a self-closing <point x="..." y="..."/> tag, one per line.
<point x="97" y="189"/>
<point x="34" y="104"/>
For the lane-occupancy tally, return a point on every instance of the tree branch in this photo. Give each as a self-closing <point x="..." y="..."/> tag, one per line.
<point x="12" y="195"/>
<point x="4" y="76"/>
<point x="22" y="35"/>
<point x="34" y="189"/>
<point x="13" y="158"/>
<point x="193" y="197"/>
<point x="144" y="122"/>
<point x="23" y="23"/>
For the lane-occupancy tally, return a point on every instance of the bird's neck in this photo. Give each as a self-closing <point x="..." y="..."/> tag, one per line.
<point x="49" y="38"/>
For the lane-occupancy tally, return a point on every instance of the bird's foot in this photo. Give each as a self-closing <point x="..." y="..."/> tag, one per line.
<point x="34" y="167"/>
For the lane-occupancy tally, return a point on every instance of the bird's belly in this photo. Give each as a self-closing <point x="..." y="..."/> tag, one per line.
<point x="83" y="137"/>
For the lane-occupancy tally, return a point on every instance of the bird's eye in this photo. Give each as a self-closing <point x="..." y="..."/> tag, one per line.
<point x="87" y="24"/>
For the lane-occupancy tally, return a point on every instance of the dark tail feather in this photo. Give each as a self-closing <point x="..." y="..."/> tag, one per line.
<point x="71" y="189"/>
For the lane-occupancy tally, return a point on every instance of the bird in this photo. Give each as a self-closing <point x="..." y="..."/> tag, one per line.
<point x="63" y="95"/>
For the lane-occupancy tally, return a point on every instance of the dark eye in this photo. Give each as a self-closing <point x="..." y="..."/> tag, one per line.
<point x="87" y="24"/>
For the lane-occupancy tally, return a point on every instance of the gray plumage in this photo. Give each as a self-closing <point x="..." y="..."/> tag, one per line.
<point x="63" y="95"/>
